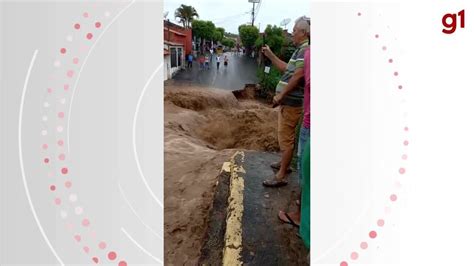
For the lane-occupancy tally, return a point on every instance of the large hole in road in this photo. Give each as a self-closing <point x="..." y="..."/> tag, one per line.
<point x="220" y="120"/>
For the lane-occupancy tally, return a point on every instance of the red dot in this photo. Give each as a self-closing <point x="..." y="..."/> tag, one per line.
<point x="390" y="60"/>
<point x="376" y="35"/>
<point x="373" y="234"/>
<point x="60" y="142"/>
<point x="344" y="264"/>
<point x="400" y="87"/>
<point x="46" y="160"/>
<point x="57" y="201"/>
<point x="406" y="128"/>
<point x="86" y="222"/>
<point x="63" y="50"/>
<point x="112" y="255"/>
<point x="384" y="48"/>
<point x="68" y="184"/>
<point x="404" y="157"/>
<point x="354" y="256"/>
<point x="52" y="187"/>
<point x="393" y="197"/>
<point x="98" y="24"/>
<point x="381" y="222"/>
<point x="95" y="259"/>
<point x="122" y="263"/>
<point x="102" y="245"/>
<point x="405" y="143"/>
<point x="401" y="171"/>
<point x="359" y="14"/>
<point x="364" y="245"/>
<point x="45" y="146"/>
<point x="89" y="36"/>
<point x="64" y="171"/>
<point x="77" y="26"/>
<point x="86" y="15"/>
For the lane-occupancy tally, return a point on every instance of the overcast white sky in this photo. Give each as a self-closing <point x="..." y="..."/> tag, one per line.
<point x="229" y="14"/>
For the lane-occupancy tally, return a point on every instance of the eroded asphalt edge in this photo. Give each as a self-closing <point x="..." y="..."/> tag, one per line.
<point x="223" y="239"/>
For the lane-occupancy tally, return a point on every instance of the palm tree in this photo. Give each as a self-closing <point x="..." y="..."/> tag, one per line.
<point x="186" y="15"/>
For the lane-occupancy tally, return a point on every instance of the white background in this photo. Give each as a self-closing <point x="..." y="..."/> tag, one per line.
<point x="431" y="223"/>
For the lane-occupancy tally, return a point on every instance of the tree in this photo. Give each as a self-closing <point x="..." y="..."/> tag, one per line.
<point x="228" y="42"/>
<point x="248" y="34"/>
<point x="274" y="38"/>
<point x="221" y="30"/>
<point x="217" y="36"/>
<point x="204" y="30"/>
<point x="186" y="15"/>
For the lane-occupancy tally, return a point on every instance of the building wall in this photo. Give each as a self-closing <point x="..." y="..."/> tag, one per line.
<point x="170" y="71"/>
<point x="186" y="40"/>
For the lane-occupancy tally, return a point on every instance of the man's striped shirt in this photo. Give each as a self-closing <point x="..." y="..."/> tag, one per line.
<point x="294" y="97"/>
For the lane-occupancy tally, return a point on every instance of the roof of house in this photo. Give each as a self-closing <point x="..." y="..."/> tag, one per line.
<point x="169" y="23"/>
<point x="174" y="43"/>
<point x="174" y="31"/>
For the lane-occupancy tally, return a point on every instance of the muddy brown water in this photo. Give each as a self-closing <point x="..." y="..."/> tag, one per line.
<point x="203" y="128"/>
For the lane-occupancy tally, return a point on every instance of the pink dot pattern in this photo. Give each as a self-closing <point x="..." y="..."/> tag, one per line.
<point x="393" y="197"/>
<point x="85" y="30"/>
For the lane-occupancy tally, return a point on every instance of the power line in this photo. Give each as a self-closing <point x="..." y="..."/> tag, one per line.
<point x="229" y="17"/>
<point x="258" y="9"/>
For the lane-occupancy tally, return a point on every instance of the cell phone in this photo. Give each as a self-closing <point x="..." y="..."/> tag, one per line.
<point x="266" y="61"/>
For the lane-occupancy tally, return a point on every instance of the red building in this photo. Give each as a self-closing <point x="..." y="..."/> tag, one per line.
<point x="178" y="44"/>
<point x="177" y="34"/>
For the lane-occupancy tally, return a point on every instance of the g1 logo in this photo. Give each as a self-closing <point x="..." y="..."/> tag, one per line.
<point x="450" y="21"/>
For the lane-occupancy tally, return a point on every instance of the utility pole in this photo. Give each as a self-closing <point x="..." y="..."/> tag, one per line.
<point x="253" y="9"/>
<point x="253" y="13"/>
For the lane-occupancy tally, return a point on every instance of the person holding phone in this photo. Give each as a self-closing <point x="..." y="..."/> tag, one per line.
<point x="289" y="96"/>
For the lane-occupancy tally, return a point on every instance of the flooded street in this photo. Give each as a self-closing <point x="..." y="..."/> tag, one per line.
<point x="203" y="128"/>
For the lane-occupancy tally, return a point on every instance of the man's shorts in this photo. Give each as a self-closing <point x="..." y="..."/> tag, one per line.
<point x="288" y="119"/>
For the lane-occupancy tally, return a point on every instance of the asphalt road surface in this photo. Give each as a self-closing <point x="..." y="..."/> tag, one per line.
<point x="241" y="70"/>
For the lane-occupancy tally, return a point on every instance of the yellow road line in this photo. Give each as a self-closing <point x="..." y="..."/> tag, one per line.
<point x="233" y="235"/>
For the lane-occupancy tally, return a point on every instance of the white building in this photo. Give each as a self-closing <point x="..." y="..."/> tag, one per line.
<point x="174" y="59"/>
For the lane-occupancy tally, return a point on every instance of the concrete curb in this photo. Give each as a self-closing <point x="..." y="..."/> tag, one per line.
<point x="232" y="253"/>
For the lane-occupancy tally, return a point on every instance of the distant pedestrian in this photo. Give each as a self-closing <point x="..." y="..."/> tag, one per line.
<point x="218" y="61"/>
<point x="201" y="61"/>
<point x="206" y="62"/>
<point x="226" y="61"/>
<point x="190" y="61"/>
